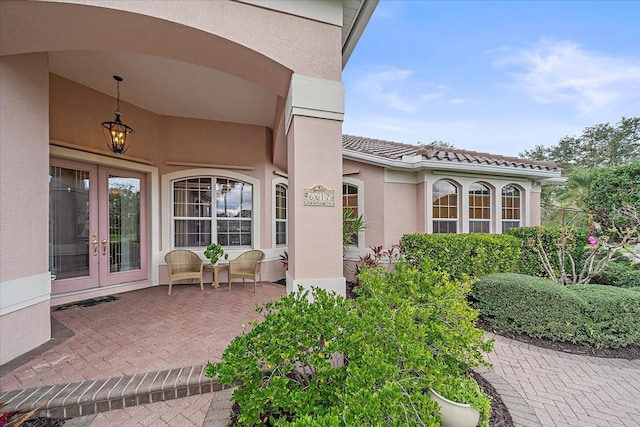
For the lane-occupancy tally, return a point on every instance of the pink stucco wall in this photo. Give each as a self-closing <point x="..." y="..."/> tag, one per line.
<point x="400" y="211"/>
<point x="24" y="165"/>
<point x="23" y="330"/>
<point x="534" y="208"/>
<point x="24" y="136"/>
<point x="217" y="33"/>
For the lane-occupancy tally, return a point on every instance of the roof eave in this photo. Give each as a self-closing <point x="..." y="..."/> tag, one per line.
<point x="356" y="28"/>
<point x="543" y="176"/>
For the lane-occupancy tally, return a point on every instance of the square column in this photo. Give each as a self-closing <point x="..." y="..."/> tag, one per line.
<point x="314" y="146"/>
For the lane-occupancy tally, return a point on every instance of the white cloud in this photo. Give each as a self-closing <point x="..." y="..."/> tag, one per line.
<point x="564" y="72"/>
<point x="398" y="89"/>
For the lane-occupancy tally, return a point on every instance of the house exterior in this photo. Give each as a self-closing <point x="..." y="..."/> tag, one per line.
<point x="402" y="188"/>
<point x="237" y="108"/>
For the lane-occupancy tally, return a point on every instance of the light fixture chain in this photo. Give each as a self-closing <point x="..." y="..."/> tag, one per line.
<point x="118" y="99"/>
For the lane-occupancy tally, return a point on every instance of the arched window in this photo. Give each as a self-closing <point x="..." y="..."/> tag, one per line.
<point x="350" y="205"/>
<point x="281" y="214"/>
<point x="479" y="208"/>
<point x="511" y="207"/>
<point x="212" y="209"/>
<point x="445" y="207"/>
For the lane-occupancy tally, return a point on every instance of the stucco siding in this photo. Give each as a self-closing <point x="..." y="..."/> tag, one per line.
<point x="400" y="211"/>
<point x="24" y="141"/>
<point x="24" y="330"/>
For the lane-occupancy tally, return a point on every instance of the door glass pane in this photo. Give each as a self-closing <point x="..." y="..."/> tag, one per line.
<point x="124" y="224"/>
<point x="68" y="222"/>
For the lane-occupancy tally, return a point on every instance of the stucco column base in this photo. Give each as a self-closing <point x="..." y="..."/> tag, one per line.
<point x="336" y="284"/>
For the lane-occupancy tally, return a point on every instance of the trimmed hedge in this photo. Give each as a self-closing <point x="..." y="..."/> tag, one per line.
<point x="599" y="316"/>
<point x="530" y="305"/>
<point x="613" y="314"/>
<point x="461" y="255"/>
<point x="619" y="275"/>
<point x="529" y="262"/>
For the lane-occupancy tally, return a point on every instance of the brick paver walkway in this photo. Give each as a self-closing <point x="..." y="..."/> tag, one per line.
<point x="147" y="331"/>
<point x="567" y="390"/>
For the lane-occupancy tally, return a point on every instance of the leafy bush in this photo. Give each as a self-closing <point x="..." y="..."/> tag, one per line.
<point x="327" y="361"/>
<point x="473" y="255"/>
<point x="599" y="316"/>
<point x="531" y="305"/>
<point x="618" y="274"/>
<point x="550" y="237"/>
<point x="613" y="315"/>
<point x="635" y="289"/>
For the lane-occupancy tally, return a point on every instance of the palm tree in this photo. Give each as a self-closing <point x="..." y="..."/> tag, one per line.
<point x="574" y="193"/>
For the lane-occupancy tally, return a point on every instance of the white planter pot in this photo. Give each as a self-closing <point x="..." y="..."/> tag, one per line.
<point x="454" y="414"/>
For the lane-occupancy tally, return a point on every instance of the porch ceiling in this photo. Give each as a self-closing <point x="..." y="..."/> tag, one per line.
<point x="168" y="87"/>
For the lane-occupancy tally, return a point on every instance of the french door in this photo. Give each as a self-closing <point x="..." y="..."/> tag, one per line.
<point x="97" y="230"/>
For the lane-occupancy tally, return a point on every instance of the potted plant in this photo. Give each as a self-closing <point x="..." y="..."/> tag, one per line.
<point x="460" y="400"/>
<point x="214" y="251"/>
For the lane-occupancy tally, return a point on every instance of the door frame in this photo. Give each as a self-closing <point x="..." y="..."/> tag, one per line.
<point x="154" y="256"/>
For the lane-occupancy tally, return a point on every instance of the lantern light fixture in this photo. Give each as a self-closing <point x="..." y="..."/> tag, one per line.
<point x="116" y="133"/>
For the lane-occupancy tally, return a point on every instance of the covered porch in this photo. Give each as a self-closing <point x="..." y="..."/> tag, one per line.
<point x="141" y="348"/>
<point x="223" y="96"/>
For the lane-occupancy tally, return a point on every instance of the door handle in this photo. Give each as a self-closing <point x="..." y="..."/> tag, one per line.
<point x="104" y="246"/>
<point x="94" y="242"/>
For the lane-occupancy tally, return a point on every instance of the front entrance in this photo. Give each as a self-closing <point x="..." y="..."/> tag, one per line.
<point x="97" y="232"/>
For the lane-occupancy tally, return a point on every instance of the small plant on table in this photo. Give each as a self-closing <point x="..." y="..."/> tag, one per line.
<point x="214" y="252"/>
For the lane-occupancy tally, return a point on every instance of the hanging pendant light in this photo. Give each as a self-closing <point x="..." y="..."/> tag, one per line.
<point x="116" y="133"/>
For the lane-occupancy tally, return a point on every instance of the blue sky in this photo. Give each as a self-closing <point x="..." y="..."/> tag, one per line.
<point x="493" y="76"/>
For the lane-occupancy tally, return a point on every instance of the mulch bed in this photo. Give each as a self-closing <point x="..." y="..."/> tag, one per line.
<point x="631" y="352"/>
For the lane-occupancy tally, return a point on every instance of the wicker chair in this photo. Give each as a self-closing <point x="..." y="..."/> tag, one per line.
<point x="246" y="266"/>
<point x="183" y="264"/>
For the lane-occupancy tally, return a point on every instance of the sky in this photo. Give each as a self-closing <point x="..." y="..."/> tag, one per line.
<point x="493" y="76"/>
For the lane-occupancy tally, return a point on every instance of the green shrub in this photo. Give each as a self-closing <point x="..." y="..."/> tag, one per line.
<point x="461" y="255"/>
<point x="529" y="262"/>
<point x="613" y="315"/>
<point x="530" y="305"/>
<point x="594" y="315"/>
<point x="336" y="362"/>
<point x="618" y="274"/>
<point x="634" y="289"/>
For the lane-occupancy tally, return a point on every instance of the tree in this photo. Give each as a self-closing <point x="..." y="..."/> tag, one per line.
<point x="565" y="203"/>
<point x="611" y="189"/>
<point x="438" y="143"/>
<point x="598" y="146"/>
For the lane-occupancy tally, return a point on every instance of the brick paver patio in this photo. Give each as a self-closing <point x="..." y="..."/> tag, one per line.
<point x="147" y="335"/>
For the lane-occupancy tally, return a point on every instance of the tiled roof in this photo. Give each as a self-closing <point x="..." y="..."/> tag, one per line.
<point x="395" y="151"/>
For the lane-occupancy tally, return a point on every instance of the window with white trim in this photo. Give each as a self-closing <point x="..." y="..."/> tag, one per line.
<point x="479" y="208"/>
<point x="281" y="214"/>
<point x="212" y="209"/>
<point x="511" y="207"/>
<point x="445" y="207"/>
<point x="350" y="205"/>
